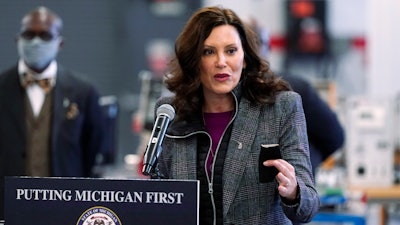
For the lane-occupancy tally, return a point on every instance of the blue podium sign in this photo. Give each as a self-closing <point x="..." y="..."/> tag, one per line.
<point x="96" y="201"/>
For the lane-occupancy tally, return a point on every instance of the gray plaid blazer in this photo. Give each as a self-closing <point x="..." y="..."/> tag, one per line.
<point x="245" y="199"/>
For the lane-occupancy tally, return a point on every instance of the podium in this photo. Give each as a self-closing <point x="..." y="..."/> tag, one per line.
<point x="98" y="201"/>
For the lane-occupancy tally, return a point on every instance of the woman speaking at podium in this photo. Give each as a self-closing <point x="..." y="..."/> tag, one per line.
<point x="231" y="110"/>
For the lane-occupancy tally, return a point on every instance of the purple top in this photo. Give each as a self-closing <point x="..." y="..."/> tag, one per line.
<point x="215" y="124"/>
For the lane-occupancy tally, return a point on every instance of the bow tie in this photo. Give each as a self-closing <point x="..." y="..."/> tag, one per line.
<point x="29" y="79"/>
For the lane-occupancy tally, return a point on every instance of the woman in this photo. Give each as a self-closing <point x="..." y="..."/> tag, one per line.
<point x="228" y="103"/>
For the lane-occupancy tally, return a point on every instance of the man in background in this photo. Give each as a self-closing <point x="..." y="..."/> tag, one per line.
<point x="51" y="123"/>
<point x="325" y="132"/>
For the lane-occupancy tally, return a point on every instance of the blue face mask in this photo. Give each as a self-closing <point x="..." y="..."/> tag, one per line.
<point x="37" y="53"/>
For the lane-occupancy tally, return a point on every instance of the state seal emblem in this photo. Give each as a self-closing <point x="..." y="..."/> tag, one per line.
<point x="98" y="215"/>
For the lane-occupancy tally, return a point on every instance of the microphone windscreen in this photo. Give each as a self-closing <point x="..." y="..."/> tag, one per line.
<point x="166" y="109"/>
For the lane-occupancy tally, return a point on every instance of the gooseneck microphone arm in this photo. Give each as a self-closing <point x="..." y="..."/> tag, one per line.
<point x="165" y="114"/>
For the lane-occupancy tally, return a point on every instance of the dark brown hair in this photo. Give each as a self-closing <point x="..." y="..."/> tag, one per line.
<point x="259" y="83"/>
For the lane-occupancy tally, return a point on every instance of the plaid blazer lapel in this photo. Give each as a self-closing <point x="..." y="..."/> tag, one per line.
<point x="242" y="137"/>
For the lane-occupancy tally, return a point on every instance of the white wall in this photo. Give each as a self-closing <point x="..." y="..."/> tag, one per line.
<point x="346" y="18"/>
<point x="269" y="13"/>
<point x="383" y="39"/>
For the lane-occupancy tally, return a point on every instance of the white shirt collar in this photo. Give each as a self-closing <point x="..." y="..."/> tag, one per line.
<point x="49" y="72"/>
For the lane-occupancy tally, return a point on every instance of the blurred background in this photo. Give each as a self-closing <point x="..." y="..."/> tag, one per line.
<point x="348" y="50"/>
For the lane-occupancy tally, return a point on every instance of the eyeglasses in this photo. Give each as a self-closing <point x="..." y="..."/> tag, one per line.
<point x="45" y="36"/>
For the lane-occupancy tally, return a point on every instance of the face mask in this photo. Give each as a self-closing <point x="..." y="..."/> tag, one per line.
<point x="38" y="53"/>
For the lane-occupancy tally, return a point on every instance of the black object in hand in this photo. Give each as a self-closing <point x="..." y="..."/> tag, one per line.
<point x="268" y="173"/>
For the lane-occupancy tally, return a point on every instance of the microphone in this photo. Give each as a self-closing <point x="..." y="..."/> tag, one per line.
<point x="165" y="114"/>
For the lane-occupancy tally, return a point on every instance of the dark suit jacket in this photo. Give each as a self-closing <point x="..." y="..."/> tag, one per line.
<point x="75" y="142"/>
<point x="325" y="133"/>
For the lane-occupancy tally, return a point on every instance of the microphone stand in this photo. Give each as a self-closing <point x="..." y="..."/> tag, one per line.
<point x="155" y="171"/>
<point x="156" y="174"/>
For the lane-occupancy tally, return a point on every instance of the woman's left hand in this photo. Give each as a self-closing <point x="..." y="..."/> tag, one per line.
<point x="286" y="178"/>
